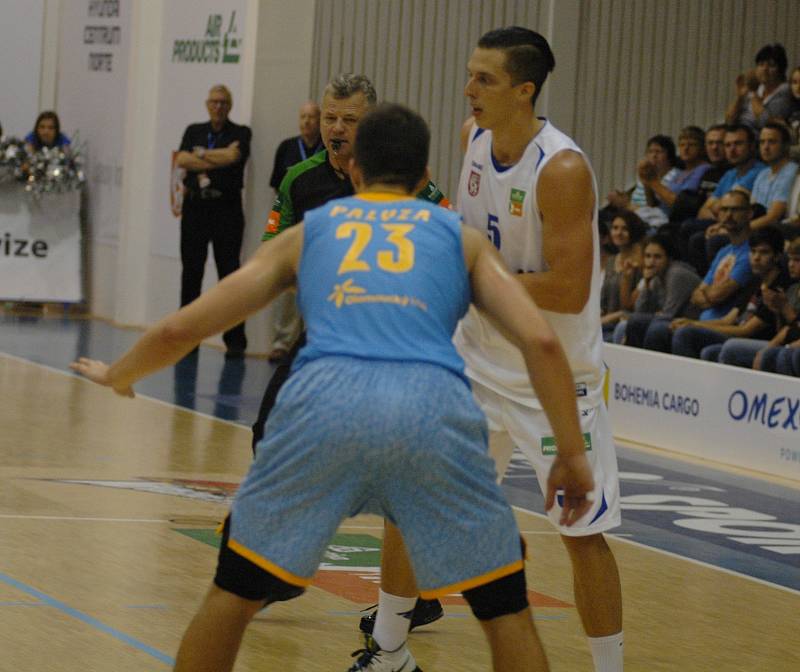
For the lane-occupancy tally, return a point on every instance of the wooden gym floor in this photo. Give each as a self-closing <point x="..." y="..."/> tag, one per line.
<point x="108" y="505"/>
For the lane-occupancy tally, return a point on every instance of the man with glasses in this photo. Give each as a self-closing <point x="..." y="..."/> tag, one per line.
<point x="725" y="285"/>
<point x="740" y="152"/>
<point x="213" y="155"/>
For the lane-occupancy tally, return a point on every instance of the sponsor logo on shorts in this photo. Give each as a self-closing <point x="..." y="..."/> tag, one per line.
<point x="549" y="444"/>
<point x="515" y="202"/>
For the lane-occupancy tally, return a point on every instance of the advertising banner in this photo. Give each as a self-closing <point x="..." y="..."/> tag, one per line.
<point x="92" y="99"/>
<point x="40" y="246"/>
<point x="732" y="415"/>
<point x="202" y="45"/>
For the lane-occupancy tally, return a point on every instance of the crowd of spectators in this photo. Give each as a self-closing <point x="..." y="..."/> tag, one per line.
<point x="703" y="250"/>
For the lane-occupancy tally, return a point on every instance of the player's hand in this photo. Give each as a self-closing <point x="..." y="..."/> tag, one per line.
<point x="97" y="372"/>
<point x="573" y="476"/>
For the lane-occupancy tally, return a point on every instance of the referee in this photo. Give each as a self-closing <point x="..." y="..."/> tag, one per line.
<point x="213" y="154"/>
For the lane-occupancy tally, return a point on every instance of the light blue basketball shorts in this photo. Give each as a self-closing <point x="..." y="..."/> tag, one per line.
<point x="400" y="439"/>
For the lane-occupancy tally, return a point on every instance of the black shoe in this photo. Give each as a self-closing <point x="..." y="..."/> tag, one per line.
<point x="425" y="612"/>
<point x="373" y="658"/>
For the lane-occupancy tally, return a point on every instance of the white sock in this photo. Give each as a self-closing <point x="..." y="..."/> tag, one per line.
<point x="607" y="652"/>
<point x="393" y="620"/>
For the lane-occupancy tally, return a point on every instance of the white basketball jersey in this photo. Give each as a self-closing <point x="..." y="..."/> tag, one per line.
<point x="502" y="202"/>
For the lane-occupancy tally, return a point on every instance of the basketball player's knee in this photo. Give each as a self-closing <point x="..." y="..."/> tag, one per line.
<point x="501" y="597"/>
<point x="238" y="575"/>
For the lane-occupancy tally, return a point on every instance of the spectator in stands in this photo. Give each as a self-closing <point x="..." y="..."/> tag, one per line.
<point x="46" y="133"/>
<point x="774" y="184"/>
<point x="793" y="119"/>
<point x="298" y="148"/>
<point x="737" y="343"/>
<point x="660" y="153"/>
<point x="685" y="182"/>
<point x="622" y="271"/>
<point x="715" y="153"/>
<point x="782" y="354"/>
<point x="658" y="167"/>
<point x="741" y="153"/>
<point x="763" y="94"/>
<point x="664" y="292"/>
<point x="727" y="282"/>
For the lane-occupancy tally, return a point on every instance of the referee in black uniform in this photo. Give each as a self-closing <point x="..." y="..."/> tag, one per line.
<point x="213" y="154"/>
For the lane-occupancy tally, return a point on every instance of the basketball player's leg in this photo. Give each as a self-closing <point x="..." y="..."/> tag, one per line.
<point x="596" y="581"/>
<point x="213" y="638"/>
<point x="398" y="592"/>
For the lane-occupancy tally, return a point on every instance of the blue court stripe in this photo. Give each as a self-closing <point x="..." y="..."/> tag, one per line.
<point x="89" y="620"/>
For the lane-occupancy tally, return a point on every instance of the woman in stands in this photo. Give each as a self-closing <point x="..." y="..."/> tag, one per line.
<point x="46" y="133"/>
<point x="762" y="94"/>
<point x="622" y="271"/>
<point x="664" y="291"/>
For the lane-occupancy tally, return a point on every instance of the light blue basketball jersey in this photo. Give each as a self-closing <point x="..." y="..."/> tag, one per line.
<point x="382" y="277"/>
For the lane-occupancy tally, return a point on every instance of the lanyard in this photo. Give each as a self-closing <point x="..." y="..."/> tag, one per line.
<point x="302" y="146"/>
<point x="213" y="138"/>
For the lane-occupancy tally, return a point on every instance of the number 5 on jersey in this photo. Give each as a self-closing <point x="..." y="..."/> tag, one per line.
<point x="494" y="230"/>
<point x="398" y="259"/>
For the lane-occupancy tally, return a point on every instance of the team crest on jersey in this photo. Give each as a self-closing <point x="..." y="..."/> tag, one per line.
<point x="474" y="183"/>
<point x="515" y="202"/>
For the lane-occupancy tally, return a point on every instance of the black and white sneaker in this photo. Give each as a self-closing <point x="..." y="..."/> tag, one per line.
<point x="373" y="658"/>
<point x="425" y="612"/>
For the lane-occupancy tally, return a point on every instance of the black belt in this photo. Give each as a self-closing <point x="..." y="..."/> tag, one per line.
<point x="207" y="195"/>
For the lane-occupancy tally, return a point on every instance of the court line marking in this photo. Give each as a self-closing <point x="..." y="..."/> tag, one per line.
<point x="17" y="516"/>
<point x="639" y="544"/>
<point x="519" y="508"/>
<point x="160" y="402"/>
<point x="89" y="620"/>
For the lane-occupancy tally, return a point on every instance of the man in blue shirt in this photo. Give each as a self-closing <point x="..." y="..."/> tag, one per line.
<point x="729" y="276"/>
<point x="741" y="154"/>
<point x="773" y="184"/>
<point x="382" y="279"/>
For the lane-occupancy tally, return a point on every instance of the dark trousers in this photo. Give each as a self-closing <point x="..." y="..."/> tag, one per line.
<point x="220" y="223"/>
<point x="279" y="377"/>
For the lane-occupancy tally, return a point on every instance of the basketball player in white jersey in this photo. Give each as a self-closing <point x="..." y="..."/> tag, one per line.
<point x="531" y="189"/>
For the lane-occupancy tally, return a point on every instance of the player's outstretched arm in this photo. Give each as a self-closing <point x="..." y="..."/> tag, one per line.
<point x="504" y="300"/>
<point x="565" y="195"/>
<point x="266" y="274"/>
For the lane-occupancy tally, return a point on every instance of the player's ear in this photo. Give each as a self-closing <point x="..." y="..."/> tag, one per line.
<point x="527" y="90"/>
<point x="423" y="181"/>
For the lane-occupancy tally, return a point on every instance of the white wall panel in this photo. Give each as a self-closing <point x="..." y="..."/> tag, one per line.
<point x="415" y="52"/>
<point x="641" y="67"/>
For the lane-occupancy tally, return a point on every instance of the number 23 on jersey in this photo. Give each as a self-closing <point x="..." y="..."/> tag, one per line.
<point x="396" y="257"/>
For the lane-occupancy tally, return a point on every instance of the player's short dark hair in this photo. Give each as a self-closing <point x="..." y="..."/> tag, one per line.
<point x="768" y="235"/>
<point x="774" y="52"/>
<point x="716" y="127"/>
<point x="391" y="146"/>
<point x="528" y="55"/>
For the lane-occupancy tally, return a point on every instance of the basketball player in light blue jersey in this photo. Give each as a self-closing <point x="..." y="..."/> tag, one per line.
<point x="530" y="189"/>
<point x="377" y="415"/>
